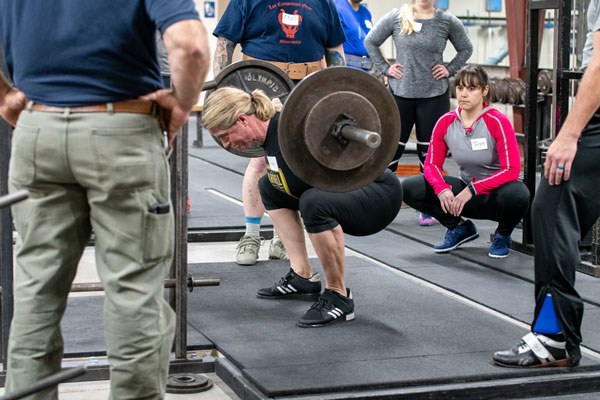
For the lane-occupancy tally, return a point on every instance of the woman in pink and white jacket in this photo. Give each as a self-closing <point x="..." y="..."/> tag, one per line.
<point x="483" y="143"/>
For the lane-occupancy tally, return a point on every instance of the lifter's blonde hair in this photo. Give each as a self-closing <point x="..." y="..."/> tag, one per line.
<point x="222" y="107"/>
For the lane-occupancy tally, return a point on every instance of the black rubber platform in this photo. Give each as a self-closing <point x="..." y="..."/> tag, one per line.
<point x="405" y="335"/>
<point x="82" y="328"/>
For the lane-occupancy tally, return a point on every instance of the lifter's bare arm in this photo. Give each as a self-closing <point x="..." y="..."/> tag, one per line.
<point x="187" y="45"/>
<point x="223" y="54"/>
<point x="12" y="101"/>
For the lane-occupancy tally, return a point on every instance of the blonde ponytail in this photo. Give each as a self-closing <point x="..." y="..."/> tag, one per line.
<point x="406" y="16"/>
<point x="222" y="107"/>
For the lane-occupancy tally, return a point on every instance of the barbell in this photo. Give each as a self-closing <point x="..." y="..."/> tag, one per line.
<point x="13" y="198"/>
<point x="338" y="129"/>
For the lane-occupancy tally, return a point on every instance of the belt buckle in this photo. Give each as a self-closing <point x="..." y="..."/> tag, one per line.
<point x="364" y="62"/>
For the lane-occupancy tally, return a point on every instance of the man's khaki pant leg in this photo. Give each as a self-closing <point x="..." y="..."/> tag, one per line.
<point x="118" y="162"/>
<point x="124" y="168"/>
<point x="53" y="227"/>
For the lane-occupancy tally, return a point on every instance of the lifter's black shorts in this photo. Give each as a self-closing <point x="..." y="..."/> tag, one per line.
<point x="361" y="212"/>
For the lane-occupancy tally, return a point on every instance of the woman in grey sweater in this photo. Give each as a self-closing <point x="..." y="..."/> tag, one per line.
<point x="419" y="79"/>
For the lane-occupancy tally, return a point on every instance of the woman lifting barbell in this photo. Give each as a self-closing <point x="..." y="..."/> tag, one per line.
<point x="239" y="120"/>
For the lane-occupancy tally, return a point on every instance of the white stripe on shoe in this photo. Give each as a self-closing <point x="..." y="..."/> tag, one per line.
<point x="287" y="289"/>
<point x="335" y="313"/>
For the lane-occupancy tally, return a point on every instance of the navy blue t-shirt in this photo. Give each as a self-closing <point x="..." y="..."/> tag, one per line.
<point x="356" y="25"/>
<point x="79" y="52"/>
<point x="285" y="31"/>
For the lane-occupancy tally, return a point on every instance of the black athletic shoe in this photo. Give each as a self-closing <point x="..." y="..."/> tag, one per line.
<point x="292" y="285"/>
<point x="330" y="307"/>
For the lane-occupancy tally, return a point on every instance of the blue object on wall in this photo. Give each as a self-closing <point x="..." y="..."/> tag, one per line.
<point x="494" y="5"/>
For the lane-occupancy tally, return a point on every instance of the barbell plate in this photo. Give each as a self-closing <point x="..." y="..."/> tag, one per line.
<point x="321" y="143"/>
<point x="249" y="75"/>
<point x="294" y="134"/>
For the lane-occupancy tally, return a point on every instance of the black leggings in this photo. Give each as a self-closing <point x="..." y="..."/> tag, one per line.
<point x="422" y="114"/>
<point x="361" y="212"/>
<point x="506" y="205"/>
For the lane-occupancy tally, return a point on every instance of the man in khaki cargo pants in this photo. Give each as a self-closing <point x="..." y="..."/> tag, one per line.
<point x="89" y="148"/>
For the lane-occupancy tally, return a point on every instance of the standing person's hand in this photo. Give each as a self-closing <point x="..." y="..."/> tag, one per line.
<point x="395" y="71"/>
<point x="440" y="71"/>
<point x="12" y="102"/>
<point x="174" y="114"/>
<point x="559" y="159"/>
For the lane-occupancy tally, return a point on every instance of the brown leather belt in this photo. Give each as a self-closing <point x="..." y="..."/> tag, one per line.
<point x="126" y="106"/>
<point x="295" y="71"/>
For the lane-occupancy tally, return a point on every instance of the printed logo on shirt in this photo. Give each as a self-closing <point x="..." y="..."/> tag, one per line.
<point x="289" y="23"/>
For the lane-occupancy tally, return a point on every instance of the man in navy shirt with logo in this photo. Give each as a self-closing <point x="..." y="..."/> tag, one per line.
<point x="298" y="37"/>
<point x="89" y="147"/>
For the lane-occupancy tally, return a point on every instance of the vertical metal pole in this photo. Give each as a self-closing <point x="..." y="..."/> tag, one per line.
<point x="561" y="89"/>
<point x="179" y="271"/>
<point x="6" y="234"/>
<point x="531" y="112"/>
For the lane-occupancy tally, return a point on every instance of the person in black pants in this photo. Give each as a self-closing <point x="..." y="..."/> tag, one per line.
<point x="565" y="207"/>
<point x="238" y="119"/>
<point x="484" y="145"/>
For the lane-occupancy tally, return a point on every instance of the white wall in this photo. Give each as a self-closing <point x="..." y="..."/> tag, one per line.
<point x="487" y="36"/>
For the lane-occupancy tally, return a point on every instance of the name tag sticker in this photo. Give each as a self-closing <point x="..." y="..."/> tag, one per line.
<point x="417" y="26"/>
<point x="479" y="144"/>
<point x="290" y="19"/>
<point x="273" y="164"/>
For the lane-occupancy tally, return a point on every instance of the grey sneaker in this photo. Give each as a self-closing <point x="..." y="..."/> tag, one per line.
<point x="276" y="249"/>
<point x="247" y="250"/>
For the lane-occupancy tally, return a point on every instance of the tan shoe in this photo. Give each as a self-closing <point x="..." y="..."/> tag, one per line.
<point x="247" y="250"/>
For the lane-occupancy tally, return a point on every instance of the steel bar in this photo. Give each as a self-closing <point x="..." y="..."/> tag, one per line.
<point x="12" y="198"/>
<point x="363" y="136"/>
<point x="179" y="272"/>
<point x="46" y="383"/>
<point x="169" y="284"/>
<point x="6" y="233"/>
<point x="532" y="114"/>
<point x="210" y="85"/>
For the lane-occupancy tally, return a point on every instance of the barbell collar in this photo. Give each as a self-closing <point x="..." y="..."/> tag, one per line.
<point x="359" y="135"/>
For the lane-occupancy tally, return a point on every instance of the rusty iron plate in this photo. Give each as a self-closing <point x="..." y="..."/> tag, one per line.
<point x="364" y="99"/>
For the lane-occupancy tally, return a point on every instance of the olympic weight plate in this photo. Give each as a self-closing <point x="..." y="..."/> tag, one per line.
<point x="188" y="383"/>
<point x="248" y="76"/>
<point x="350" y="92"/>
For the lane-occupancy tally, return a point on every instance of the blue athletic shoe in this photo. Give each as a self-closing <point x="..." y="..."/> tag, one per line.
<point x="500" y="246"/>
<point x="455" y="237"/>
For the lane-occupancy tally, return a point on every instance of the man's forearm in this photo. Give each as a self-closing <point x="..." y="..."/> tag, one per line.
<point x="223" y="54"/>
<point x="187" y="46"/>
